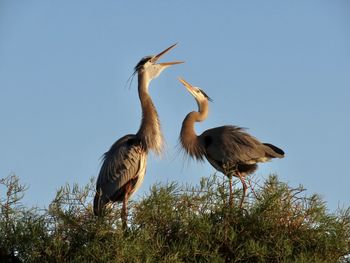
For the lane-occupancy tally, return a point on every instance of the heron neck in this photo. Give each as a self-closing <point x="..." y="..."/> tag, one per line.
<point x="188" y="136"/>
<point x="149" y="131"/>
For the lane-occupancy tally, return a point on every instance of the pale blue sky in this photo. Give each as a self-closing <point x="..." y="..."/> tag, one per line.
<point x="279" y="68"/>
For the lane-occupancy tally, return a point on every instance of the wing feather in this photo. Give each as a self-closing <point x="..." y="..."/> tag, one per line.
<point x="120" y="165"/>
<point x="231" y="144"/>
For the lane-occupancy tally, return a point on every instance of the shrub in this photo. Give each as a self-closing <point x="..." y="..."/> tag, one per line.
<point x="175" y="223"/>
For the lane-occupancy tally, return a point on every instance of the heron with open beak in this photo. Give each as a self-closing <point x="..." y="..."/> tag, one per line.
<point x="124" y="164"/>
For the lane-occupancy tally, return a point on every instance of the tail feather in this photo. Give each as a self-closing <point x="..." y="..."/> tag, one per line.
<point x="273" y="151"/>
<point x="99" y="204"/>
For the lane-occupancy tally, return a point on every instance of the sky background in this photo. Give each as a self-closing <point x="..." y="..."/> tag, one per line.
<point x="279" y="68"/>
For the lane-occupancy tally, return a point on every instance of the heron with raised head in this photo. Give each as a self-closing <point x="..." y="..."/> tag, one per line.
<point x="124" y="164"/>
<point x="229" y="149"/>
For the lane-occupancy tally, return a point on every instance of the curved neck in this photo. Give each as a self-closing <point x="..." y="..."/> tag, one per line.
<point x="149" y="131"/>
<point x="188" y="136"/>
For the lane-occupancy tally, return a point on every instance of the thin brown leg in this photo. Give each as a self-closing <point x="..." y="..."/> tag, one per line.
<point x="245" y="188"/>
<point x="124" y="213"/>
<point x="231" y="194"/>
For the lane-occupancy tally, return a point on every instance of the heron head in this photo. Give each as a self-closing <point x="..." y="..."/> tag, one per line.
<point x="196" y="92"/>
<point x="149" y="66"/>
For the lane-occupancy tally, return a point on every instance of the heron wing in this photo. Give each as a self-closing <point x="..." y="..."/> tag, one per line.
<point x="232" y="145"/>
<point x="120" y="165"/>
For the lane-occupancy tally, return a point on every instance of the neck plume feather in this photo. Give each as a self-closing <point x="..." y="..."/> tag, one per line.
<point x="189" y="140"/>
<point x="149" y="132"/>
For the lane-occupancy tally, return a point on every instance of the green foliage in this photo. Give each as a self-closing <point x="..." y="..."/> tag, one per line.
<point x="175" y="223"/>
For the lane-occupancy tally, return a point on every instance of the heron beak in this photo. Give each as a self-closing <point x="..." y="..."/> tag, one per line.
<point x="188" y="86"/>
<point x="166" y="64"/>
<point x="194" y="91"/>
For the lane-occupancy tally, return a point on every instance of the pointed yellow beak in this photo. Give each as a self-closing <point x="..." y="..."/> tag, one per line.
<point x="194" y="90"/>
<point x="171" y="63"/>
<point x="188" y="86"/>
<point x="158" y="56"/>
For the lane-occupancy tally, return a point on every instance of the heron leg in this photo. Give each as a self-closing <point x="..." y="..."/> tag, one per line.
<point x="245" y="188"/>
<point x="231" y="194"/>
<point x="124" y="212"/>
<point x="231" y="171"/>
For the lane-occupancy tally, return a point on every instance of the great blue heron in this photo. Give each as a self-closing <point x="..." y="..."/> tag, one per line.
<point x="229" y="149"/>
<point x="124" y="165"/>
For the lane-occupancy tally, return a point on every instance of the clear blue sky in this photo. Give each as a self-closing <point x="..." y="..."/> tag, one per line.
<point x="279" y="68"/>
